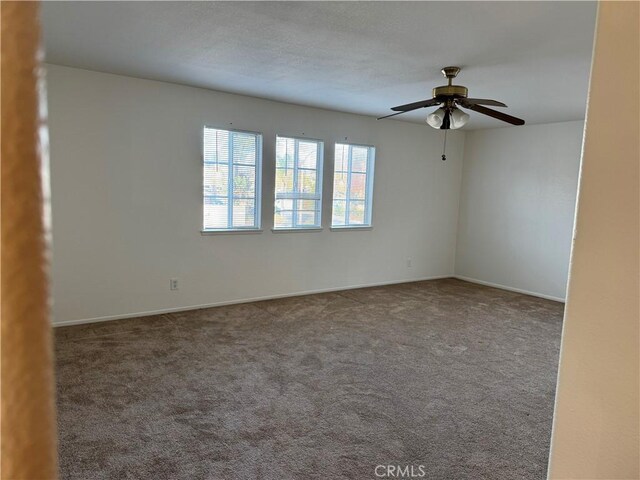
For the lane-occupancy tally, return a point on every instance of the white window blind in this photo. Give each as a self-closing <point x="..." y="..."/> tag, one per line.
<point x="232" y="169"/>
<point x="298" y="192"/>
<point x="352" y="185"/>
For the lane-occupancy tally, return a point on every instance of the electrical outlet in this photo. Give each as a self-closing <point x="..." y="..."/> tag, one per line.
<point x="173" y="284"/>
<point x="408" y="263"/>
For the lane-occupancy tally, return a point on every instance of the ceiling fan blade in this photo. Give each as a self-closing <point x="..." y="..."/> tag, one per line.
<point x="392" y="115"/>
<point x="481" y="101"/>
<point x="415" y="105"/>
<point x="492" y="113"/>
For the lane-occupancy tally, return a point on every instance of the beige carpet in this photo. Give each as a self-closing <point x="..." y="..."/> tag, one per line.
<point x="445" y="375"/>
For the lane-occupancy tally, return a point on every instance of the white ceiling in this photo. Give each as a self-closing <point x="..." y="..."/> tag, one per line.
<point x="361" y="57"/>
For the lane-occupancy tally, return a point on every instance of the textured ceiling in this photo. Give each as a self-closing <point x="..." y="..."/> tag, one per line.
<point x="361" y="57"/>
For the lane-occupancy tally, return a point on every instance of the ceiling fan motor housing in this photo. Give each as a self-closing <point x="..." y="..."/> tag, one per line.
<point x="455" y="91"/>
<point x="450" y="91"/>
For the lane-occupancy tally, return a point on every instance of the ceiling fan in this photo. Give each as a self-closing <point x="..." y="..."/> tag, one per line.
<point x="450" y="97"/>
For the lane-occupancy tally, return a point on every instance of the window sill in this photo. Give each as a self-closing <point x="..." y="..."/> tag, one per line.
<point x="295" y="230"/>
<point x="231" y="232"/>
<point x="351" y="227"/>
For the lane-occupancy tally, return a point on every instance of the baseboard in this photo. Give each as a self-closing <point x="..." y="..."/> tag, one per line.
<point x="65" y="323"/>
<point x="511" y="289"/>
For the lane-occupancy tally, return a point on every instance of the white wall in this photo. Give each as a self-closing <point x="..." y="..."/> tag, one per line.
<point x="517" y="206"/>
<point x="595" y="430"/>
<point x="126" y="193"/>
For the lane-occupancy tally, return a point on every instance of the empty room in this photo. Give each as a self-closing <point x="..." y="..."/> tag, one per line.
<point x="324" y="240"/>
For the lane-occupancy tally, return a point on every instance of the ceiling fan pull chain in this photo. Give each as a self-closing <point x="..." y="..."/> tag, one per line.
<point x="444" y="148"/>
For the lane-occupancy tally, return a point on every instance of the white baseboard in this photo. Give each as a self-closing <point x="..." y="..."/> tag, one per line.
<point x="511" y="289"/>
<point x="297" y="294"/>
<point x="240" y="300"/>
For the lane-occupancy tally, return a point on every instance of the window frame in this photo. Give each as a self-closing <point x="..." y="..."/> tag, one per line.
<point x="368" y="199"/>
<point x="319" y="184"/>
<point x="257" y="226"/>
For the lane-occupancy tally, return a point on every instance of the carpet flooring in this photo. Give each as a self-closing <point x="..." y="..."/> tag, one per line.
<point x="453" y="379"/>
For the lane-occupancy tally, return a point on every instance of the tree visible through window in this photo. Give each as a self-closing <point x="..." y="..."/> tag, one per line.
<point x="298" y="189"/>
<point x="232" y="164"/>
<point x="352" y="185"/>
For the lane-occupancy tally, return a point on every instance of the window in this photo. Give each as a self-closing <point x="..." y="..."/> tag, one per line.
<point x="352" y="186"/>
<point x="298" y="183"/>
<point x="232" y="164"/>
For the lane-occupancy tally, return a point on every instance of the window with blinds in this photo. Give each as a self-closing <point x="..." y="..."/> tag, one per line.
<point x="352" y="185"/>
<point x="232" y="169"/>
<point x="298" y="189"/>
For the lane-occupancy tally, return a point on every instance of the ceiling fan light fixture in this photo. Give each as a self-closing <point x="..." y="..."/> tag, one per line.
<point x="436" y="118"/>
<point x="458" y="118"/>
